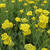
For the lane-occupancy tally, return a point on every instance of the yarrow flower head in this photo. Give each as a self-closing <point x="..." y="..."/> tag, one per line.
<point x="42" y="25"/>
<point x="29" y="47"/>
<point x="21" y="11"/>
<point x="38" y="11"/>
<point x="7" y="24"/>
<point x="33" y="18"/>
<point x="45" y="2"/>
<point x="25" y="28"/>
<point x="7" y="39"/>
<point x="24" y="19"/>
<point x="45" y="12"/>
<point x="44" y="49"/>
<point x="29" y="13"/>
<point x="2" y="5"/>
<point x="17" y="19"/>
<point x="13" y="1"/>
<point x="4" y="36"/>
<point x="43" y="18"/>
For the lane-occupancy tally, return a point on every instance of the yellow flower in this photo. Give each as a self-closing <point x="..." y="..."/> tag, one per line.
<point x="31" y="2"/>
<point x="27" y="32"/>
<point x="33" y="18"/>
<point x="4" y="36"/>
<point x="13" y="1"/>
<point x="42" y="30"/>
<point x="20" y="0"/>
<point x="2" y="5"/>
<point x="29" y="47"/>
<point x="24" y="20"/>
<point x="35" y="7"/>
<point x="24" y="27"/>
<point x="48" y="31"/>
<point x="7" y="24"/>
<point x="45" y="12"/>
<point x="6" y="39"/>
<point x="38" y="11"/>
<point x="17" y="19"/>
<point x="45" y="2"/>
<point x="44" y="49"/>
<point x="11" y="24"/>
<point x="29" y="13"/>
<point x="21" y="11"/>
<point x="25" y="4"/>
<point x="8" y="42"/>
<point x="43" y="18"/>
<point x="42" y="25"/>
<point x="36" y="25"/>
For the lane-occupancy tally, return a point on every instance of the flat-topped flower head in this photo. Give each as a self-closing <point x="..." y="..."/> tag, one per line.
<point x="43" y="18"/>
<point x="29" y="47"/>
<point x="24" y="20"/>
<point x="7" y="39"/>
<point x="45" y="2"/>
<point x="44" y="49"/>
<point x="17" y="19"/>
<point x="29" y="13"/>
<point x="38" y="11"/>
<point x="45" y="12"/>
<point x="13" y="1"/>
<point x="2" y="5"/>
<point x="22" y="11"/>
<point x="20" y="0"/>
<point x="4" y="36"/>
<point x="7" y="24"/>
<point x="24" y="27"/>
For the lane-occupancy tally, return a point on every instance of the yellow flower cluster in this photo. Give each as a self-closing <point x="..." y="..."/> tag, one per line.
<point x="7" y="24"/>
<point x="36" y="25"/>
<point x="38" y="11"/>
<point x="24" y="19"/>
<point x="29" y="47"/>
<point x="33" y="18"/>
<point x="7" y="39"/>
<point x="43" y="18"/>
<point x="30" y="2"/>
<point x="45" y="2"/>
<point x="21" y="11"/>
<point x="29" y="13"/>
<point x="45" y="12"/>
<point x="44" y="49"/>
<point x="13" y="1"/>
<point x="41" y="11"/>
<point x="20" y="0"/>
<point x="35" y="7"/>
<point x="17" y="19"/>
<point x="25" y="4"/>
<point x="25" y="28"/>
<point x="2" y="5"/>
<point x="43" y="21"/>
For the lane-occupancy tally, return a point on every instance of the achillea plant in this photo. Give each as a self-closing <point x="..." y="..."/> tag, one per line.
<point x="24" y="24"/>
